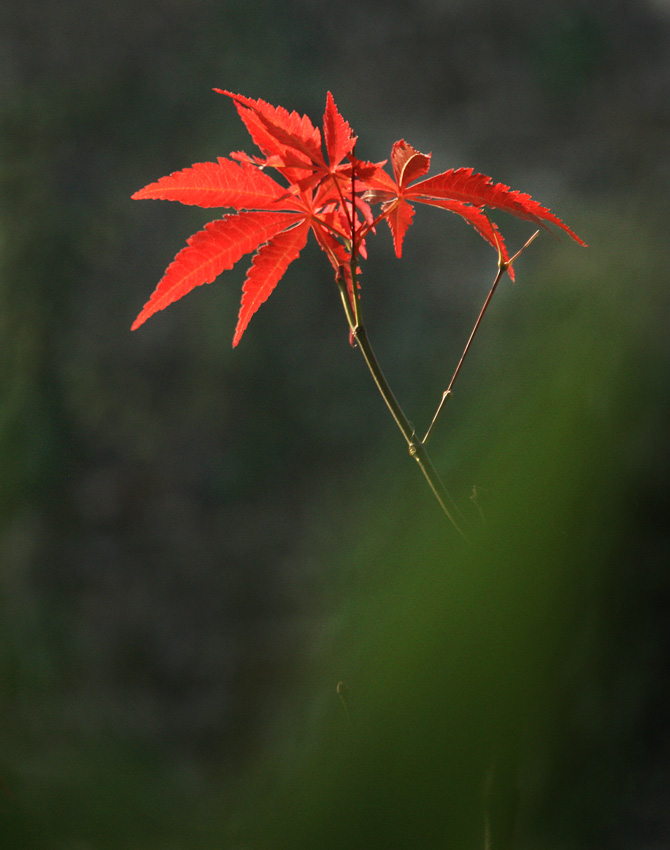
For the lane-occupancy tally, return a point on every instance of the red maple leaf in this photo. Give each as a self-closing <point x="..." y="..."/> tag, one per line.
<point x="291" y="143"/>
<point x="271" y="219"/>
<point x="327" y="191"/>
<point x="458" y="190"/>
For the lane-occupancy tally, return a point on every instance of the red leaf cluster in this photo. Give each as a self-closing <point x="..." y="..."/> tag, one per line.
<point x="325" y="189"/>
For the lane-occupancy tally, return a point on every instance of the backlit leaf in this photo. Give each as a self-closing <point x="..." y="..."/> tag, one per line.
<point x="463" y="184"/>
<point x="266" y="270"/>
<point x="213" y="250"/>
<point x="217" y="184"/>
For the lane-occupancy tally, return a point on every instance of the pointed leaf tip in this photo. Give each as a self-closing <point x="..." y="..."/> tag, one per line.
<point x="225" y="183"/>
<point x="267" y="268"/>
<point x="338" y="135"/>
<point x="464" y="184"/>
<point x="211" y="251"/>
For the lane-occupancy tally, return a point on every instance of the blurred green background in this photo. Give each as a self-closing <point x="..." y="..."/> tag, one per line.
<point x="197" y="545"/>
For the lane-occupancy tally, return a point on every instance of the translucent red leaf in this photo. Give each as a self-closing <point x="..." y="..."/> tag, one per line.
<point x="217" y="184"/>
<point x="399" y="217"/>
<point x="463" y="184"/>
<point x="211" y="251"/>
<point x="267" y="268"/>
<point x="296" y="166"/>
<point x="337" y="133"/>
<point x="282" y="128"/>
<point x="408" y="163"/>
<point x="379" y="186"/>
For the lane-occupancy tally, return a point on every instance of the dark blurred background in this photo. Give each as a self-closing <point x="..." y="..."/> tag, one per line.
<point x="197" y="544"/>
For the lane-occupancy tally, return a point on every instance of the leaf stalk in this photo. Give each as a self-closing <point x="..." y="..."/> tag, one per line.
<point x="416" y="448"/>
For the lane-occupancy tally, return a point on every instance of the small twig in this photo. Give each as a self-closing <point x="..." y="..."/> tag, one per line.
<point x="503" y="266"/>
<point x="416" y="449"/>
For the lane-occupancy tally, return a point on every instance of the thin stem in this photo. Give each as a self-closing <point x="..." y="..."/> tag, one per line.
<point x="353" y="260"/>
<point x="447" y="393"/>
<point x="416" y="449"/>
<point x="503" y="265"/>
